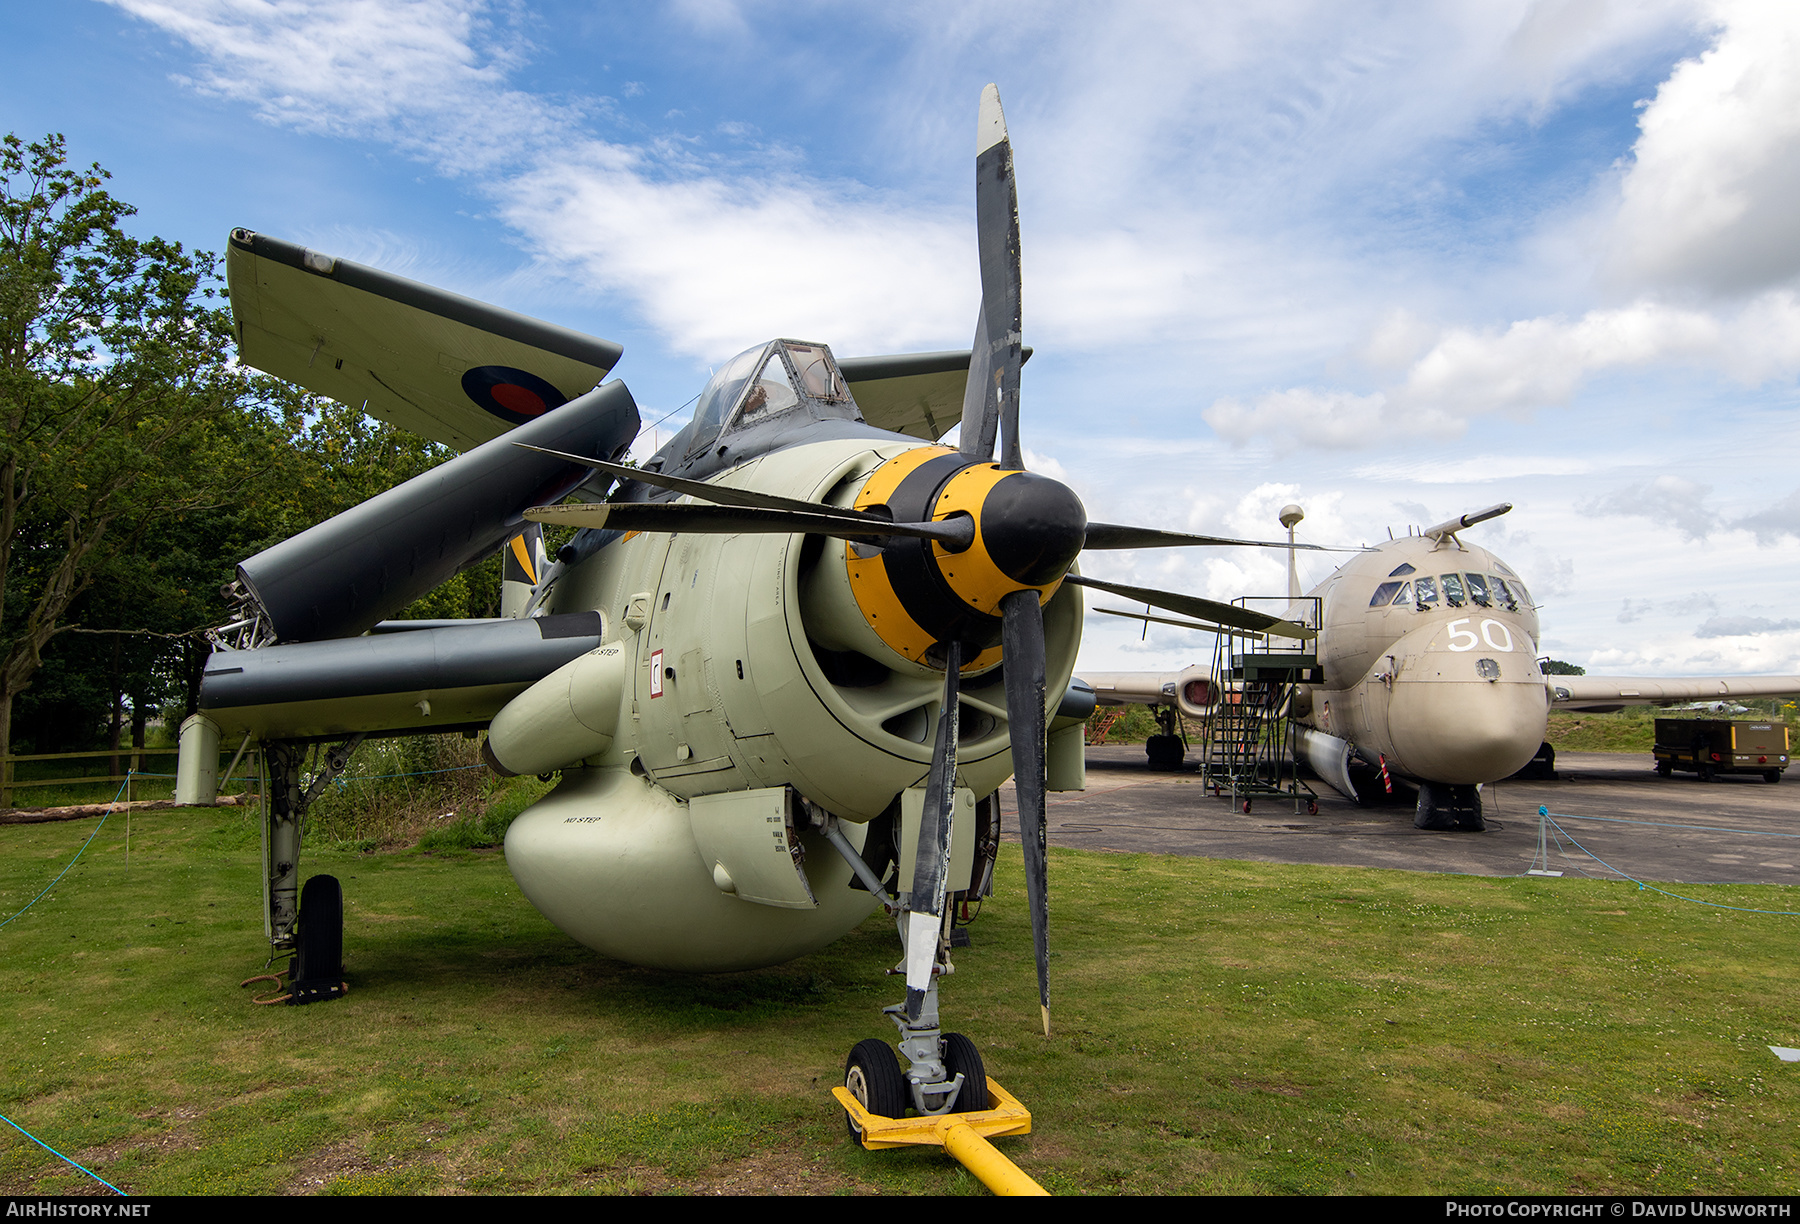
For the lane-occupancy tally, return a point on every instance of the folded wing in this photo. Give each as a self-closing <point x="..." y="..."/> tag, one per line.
<point x="447" y="367"/>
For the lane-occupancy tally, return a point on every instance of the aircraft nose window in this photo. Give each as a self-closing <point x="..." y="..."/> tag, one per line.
<point x="1504" y="594"/>
<point x="1405" y="567"/>
<point x="1384" y="594"/>
<point x="1405" y="595"/>
<point x="1453" y="589"/>
<point x="1424" y="593"/>
<point x="1478" y="589"/>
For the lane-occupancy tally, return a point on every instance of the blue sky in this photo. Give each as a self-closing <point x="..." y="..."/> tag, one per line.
<point x="1391" y="262"/>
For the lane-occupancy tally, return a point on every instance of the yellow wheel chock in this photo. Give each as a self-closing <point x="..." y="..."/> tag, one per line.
<point x="963" y="1135"/>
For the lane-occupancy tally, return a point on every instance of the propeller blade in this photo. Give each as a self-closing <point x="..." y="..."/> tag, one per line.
<point x="981" y="409"/>
<point x="1112" y="535"/>
<point x="1203" y="626"/>
<point x="1193" y="605"/>
<point x="718" y="494"/>
<point x="997" y="228"/>
<point x="931" y="862"/>
<point x="1022" y="646"/>
<point x="744" y="520"/>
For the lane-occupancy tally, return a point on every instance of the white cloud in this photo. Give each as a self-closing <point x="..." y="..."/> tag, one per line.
<point x="717" y="265"/>
<point x="1781" y="519"/>
<point x="1708" y="200"/>
<point x="1672" y="501"/>
<point x="1743" y="626"/>
<point x="1300" y="417"/>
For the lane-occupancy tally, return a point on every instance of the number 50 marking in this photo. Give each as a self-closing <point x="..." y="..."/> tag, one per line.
<point x="1464" y="639"/>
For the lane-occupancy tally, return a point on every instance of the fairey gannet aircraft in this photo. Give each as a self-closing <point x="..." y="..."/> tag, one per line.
<point x="1428" y="649"/>
<point x="782" y="668"/>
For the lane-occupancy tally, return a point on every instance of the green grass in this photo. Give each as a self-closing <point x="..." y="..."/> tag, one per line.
<point x="1221" y="1027"/>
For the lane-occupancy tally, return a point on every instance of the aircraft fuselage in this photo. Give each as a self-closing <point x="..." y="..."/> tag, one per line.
<point x="1429" y="654"/>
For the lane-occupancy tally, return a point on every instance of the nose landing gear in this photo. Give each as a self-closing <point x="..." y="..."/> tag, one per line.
<point x="956" y="1106"/>
<point x="1445" y="807"/>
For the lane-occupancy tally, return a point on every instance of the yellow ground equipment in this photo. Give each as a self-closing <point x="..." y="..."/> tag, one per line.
<point x="963" y="1135"/>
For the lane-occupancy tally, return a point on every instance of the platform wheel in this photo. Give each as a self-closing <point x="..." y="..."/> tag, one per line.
<point x="1246" y="807"/>
<point x="872" y="1074"/>
<point x="1312" y="807"/>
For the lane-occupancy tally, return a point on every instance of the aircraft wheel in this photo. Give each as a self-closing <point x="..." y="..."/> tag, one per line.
<point x="318" y="966"/>
<point x="1165" y="751"/>
<point x="872" y="1074"/>
<point x="960" y="1054"/>
<point x="1664" y="769"/>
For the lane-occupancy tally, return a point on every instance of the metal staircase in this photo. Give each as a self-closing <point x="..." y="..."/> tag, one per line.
<point x="1249" y="741"/>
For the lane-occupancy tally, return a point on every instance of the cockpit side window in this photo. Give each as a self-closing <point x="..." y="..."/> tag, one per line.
<point x="1405" y="567"/>
<point x="1424" y="593"/>
<point x="771" y="394"/>
<point x="1478" y="589"/>
<point x="1504" y="593"/>
<point x="1384" y="594"/>
<point x="1405" y="595"/>
<point x="1453" y="589"/>
<point x="721" y="393"/>
<point x="818" y="376"/>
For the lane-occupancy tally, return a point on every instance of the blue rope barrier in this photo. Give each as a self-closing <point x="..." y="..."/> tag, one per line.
<point x="72" y="862"/>
<point x="61" y="1157"/>
<point x="1661" y="824"/>
<point x="1545" y="813"/>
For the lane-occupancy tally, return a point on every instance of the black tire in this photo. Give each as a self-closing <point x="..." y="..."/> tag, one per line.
<point x="1165" y="751"/>
<point x="1664" y="769"/>
<point x="872" y="1074"/>
<point x="1246" y="807"/>
<point x="319" y="939"/>
<point x="1706" y="773"/>
<point x="1772" y="775"/>
<point x="960" y="1055"/>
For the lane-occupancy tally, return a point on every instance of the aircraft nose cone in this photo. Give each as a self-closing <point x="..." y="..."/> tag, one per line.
<point x="1033" y="527"/>
<point x="1469" y="731"/>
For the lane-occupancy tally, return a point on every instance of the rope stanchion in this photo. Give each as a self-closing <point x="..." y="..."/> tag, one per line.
<point x="1549" y="819"/>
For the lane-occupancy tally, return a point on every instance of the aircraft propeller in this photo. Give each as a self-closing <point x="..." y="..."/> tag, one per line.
<point x="963" y="551"/>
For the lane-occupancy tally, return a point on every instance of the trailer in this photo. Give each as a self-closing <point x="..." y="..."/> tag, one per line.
<point x="1712" y="746"/>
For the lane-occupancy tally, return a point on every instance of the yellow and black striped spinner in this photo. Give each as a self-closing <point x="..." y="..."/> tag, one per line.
<point x="918" y="594"/>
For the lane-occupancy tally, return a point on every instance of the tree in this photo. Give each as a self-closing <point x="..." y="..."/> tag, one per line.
<point x="119" y="404"/>
<point x="1556" y="667"/>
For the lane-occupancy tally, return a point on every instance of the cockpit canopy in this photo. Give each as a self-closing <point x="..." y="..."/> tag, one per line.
<point x="766" y="382"/>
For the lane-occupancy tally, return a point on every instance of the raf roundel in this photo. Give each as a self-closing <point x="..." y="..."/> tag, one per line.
<point x="514" y="396"/>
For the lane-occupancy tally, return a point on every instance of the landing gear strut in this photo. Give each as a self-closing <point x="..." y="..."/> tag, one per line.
<point x="1167" y="749"/>
<point x="308" y="924"/>
<point x="943" y="1074"/>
